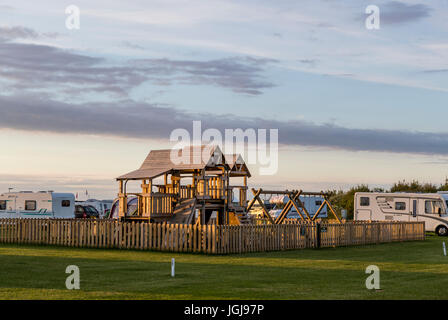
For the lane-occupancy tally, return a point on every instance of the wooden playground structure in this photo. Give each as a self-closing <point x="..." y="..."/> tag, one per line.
<point x="210" y="188"/>
<point x="175" y="214"/>
<point x="180" y="192"/>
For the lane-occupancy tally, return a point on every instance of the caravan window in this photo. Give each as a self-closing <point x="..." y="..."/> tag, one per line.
<point x="2" y="204"/>
<point x="65" y="203"/>
<point x="365" y="201"/>
<point x="400" y="205"/>
<point x="30" y="205"/>
<point x="433" y="206"/>
<point x="318" y="202"/>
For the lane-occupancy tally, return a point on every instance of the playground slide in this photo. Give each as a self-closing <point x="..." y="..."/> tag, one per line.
<point x="184" y="212"/>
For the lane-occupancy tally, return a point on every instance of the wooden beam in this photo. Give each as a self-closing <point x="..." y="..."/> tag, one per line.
<point x="256" y="194"/>
<point x="275" y="192"/>
<point x="331" y="209"/>
<point x="284" y="212"/>
<point x="257" y="198"/>
<point x="301" y="204"/>
<point x="288" y="206"/>
<point x="304" y="209"/>
<point x="323" y="194"/>
<point x="265" y="211"/>
<point x="318" y="210"/>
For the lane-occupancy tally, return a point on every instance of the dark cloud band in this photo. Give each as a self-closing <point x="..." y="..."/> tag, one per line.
<point x="141" y="120"/>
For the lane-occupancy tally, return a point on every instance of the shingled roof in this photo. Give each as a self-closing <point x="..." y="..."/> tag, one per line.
<point x="159" y="162"/>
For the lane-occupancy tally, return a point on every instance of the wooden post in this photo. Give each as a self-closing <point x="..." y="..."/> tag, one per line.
<point x="243" y="193"/>
<point x="149" y="191"/>
<point x="318" y="239"/>
<point x="122" y="208"/>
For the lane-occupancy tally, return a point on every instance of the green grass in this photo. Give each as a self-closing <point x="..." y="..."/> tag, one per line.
<point x="409" y="270"/>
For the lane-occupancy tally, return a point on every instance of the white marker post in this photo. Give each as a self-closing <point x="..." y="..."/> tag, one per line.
<point x="173" y="266"/>
<point x="444" y="248"/>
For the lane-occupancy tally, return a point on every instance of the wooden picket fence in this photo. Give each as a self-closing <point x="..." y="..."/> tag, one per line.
<point x="362" y="233"/>
<point x="210" y="239"/>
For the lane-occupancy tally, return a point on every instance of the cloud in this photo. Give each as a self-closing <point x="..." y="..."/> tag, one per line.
<point x="128" y="118"/>
<point x="339" y="74"/>
<point x="6" y="7"/>
<point x="44" y="68"/>
<point x="131" y="45"/>
<point x="309" y="62"/>
<point x="395" y="12"/>
<point x="435" y="71"/>
<point x="240" y="74"/>
<point x="20" y="32"/>
<point x="17" y="32"/>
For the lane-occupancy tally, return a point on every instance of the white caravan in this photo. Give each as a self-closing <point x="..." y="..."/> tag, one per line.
<point x="43" y="204"/>
<point x="428" y="207"/>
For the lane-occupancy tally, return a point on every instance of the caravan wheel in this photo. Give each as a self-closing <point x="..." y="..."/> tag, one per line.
<point x="442" y="231"/>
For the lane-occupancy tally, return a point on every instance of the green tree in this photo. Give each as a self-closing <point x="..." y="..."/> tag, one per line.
<point x="346" y="200"/>
<point x="444" y="187"/>
<point x="414" y="186"/>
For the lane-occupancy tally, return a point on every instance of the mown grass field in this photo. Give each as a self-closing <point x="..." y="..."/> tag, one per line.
<point x="409" y="270"/>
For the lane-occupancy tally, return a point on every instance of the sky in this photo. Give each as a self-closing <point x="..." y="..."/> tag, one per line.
<point x="352" y="105"/>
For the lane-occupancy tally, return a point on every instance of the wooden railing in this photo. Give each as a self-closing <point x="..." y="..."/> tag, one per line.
<point x="187" y="192"/>
<point x="169" y="188"/>
<point x="211" y="239"/>
<point x="161" y="204"/>
<point x="210" y="188"/>
<point x="207" y="187"/>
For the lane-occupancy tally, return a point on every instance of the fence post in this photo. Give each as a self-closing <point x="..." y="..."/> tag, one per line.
<point x="317" y="235"/>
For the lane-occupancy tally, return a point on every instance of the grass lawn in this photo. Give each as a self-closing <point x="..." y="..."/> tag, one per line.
<point x="409" y="270"/>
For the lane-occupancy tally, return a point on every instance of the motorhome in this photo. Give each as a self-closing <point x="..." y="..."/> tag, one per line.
<point x="428" y="207"/>
<point x="43" y="204"/>
<point x="444" y="194"/>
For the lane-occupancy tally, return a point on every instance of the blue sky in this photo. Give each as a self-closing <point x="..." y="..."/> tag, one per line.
<point x="358" y="105"/>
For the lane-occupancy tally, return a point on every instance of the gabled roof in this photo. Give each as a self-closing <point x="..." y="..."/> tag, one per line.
<point x="144" y="174"/>
<point x="237" y="165"/>
<point x="159" y="162"/>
